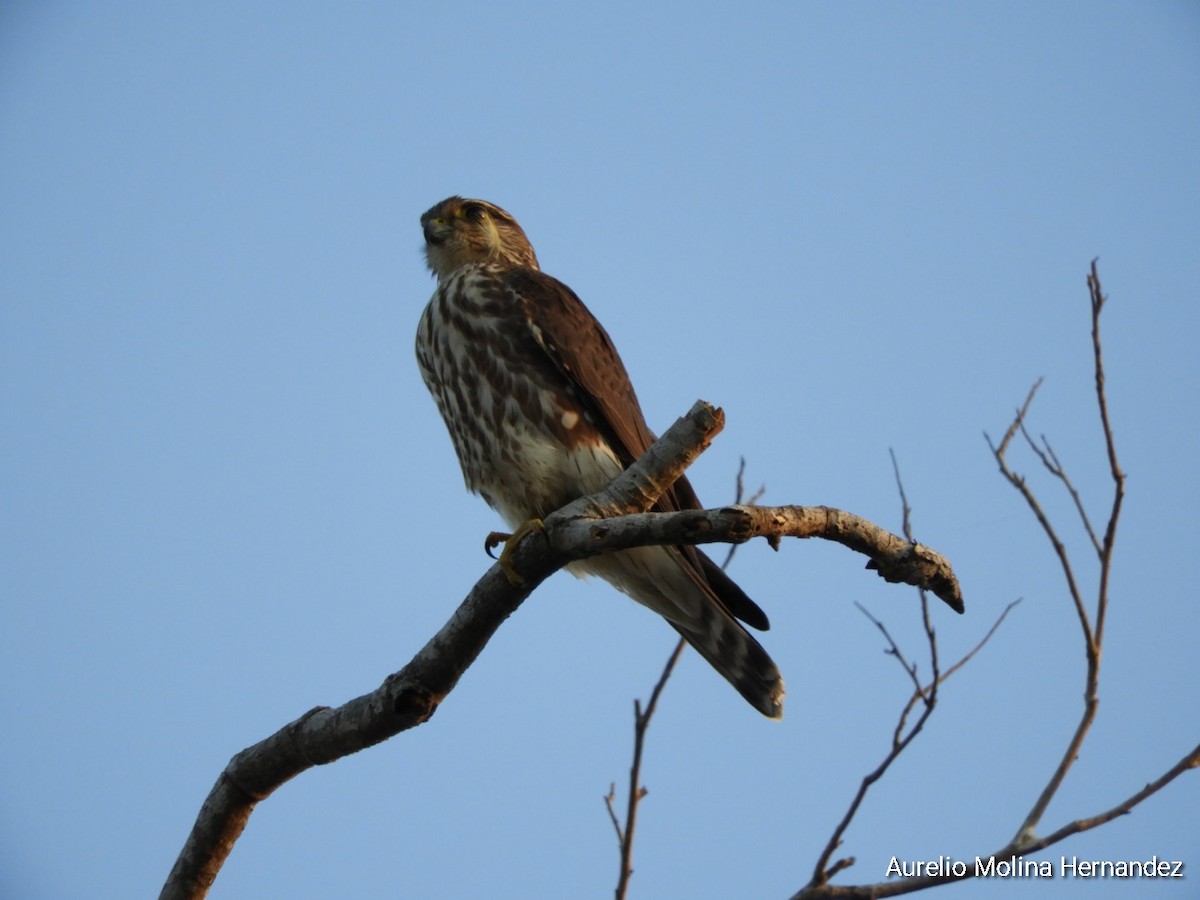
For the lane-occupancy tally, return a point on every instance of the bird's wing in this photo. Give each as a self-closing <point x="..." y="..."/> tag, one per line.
<point x="579" y="347"/>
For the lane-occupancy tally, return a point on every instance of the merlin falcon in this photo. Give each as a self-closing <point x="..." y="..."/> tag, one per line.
<point x="541" y="411"/>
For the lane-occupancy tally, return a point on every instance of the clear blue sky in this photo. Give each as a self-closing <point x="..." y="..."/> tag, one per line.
<point x="227" y="498"/>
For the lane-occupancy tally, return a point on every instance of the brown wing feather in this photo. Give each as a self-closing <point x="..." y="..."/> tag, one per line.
<point x="583" y="352"/>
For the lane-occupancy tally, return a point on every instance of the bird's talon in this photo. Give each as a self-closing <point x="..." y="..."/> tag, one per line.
<point x="510" y="542"/>
<point x="514" y="577"/>
<point x="494" y="540"/>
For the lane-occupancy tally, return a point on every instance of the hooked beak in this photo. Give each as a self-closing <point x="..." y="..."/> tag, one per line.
<point x="436" y="231"/>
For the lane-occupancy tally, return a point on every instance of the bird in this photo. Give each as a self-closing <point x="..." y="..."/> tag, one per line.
<point x="541" y="411"/>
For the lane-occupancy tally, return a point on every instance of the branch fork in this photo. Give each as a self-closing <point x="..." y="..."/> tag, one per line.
<point x="583" y="528"/>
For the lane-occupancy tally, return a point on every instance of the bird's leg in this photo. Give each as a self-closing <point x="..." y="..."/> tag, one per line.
<point x="510" y="541"/>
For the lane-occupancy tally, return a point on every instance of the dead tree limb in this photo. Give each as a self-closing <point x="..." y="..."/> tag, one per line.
<point x="1091" y="622"/>
<point x="410" y="696"/>
<point x="903" y="734"/>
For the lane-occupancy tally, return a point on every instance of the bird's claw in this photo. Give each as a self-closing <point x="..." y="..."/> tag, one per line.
<point x="510" y="541"/>
<point x="494" y="540"/>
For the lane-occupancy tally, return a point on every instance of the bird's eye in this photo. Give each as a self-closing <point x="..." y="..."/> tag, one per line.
<point x="474" y="211"/>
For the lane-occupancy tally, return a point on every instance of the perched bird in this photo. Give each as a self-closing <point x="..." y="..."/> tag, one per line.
<point x="541" y="411"/>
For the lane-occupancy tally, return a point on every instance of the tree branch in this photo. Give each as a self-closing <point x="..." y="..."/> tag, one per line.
<point x="1026" y="840"/>
<point x="411" y="696"/>
<point x="896" y="559"/>
<point x="1190" y="760"/>
<point x="641" y="722"/>
<point x="823" y="871"/>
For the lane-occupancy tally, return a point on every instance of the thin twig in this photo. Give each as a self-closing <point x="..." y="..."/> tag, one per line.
<point x="905" y="509"/>
<point x="1118" y="476"/>
<point x="1012" y="429"/>
<point x="738" y="491"/>
<point x="1018" y="482"/>
<point x="929" y="695"/>
<point x="641" y="722"/>
<point x="1190" y="760"/>
<point x="898" y="887"/>
<point x="917" y="696"/>
<point x="1093" y="635"/>
<point x="609" y="799"/>
<point x="894" y="650"/>
<point x="823" y="871"/>
<point x="1050" y="460"/>
<point x="738" y="488"/>
<point x="1026" y="840"/>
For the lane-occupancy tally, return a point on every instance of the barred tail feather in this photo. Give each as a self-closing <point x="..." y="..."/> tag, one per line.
<point x="666" y="581"/>
<point x="741" y="661"/>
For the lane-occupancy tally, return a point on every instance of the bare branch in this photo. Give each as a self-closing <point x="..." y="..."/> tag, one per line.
<point x="1190" y="760"/>
<point x="895" y="559"/>
<point x="1026" y="840"/>
<point x="920" y="695"/>
<point x="1018" y="482"/>
<point x="738" y="495"/>
<point x="823" y="871"/>
<point x="609" y="799"/>
<point x="929" y="696"/>
<point x="641" y="722"/>
<point x="894" y="650"/>
<point x="1091" y="646"/>
<point x="1093" y="637"/>
<point x="1050" y="460"/>
<point x="966" y="658"/>
<point x="738" y="488"/>
<point x="409" y="697"/>
<point x="905" y="509"/>
<point x="1016" y="424"/>
<point x="1118" y="476"/>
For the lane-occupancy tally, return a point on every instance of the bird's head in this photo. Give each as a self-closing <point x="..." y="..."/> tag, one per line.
<point x="459" y="232"/>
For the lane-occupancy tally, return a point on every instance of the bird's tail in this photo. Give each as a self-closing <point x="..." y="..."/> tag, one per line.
<point x="664" y="580"/>
<point x="740" y="659"/>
